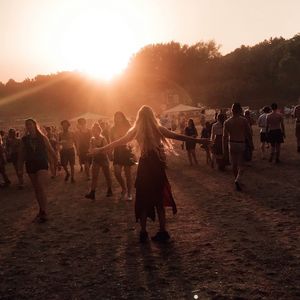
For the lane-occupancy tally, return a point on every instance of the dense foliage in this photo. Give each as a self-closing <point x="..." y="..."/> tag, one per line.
<point x="266" y="72"/>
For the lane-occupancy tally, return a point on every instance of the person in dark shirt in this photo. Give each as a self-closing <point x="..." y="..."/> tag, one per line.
<point x="34" y="151"/>
<point x="190" y="146"/>
<point x="206" y="133"/>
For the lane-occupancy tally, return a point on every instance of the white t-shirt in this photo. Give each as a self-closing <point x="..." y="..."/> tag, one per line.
<point x="262" y="122"/>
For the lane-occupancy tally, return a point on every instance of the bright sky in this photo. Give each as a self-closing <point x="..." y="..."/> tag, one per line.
<point x="99" y="36"/>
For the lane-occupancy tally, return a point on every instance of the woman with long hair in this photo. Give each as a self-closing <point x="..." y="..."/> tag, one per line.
<point x="34" y="151"/>
<point x="123" y="157"/>
<point x="217" y="146"/>
<point x="99" y="161"/>
<point x="12" y="151"/>
<point x="153" y="191"/>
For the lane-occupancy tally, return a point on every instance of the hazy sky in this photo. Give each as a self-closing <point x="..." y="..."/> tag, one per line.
<point x="44" y="36"/>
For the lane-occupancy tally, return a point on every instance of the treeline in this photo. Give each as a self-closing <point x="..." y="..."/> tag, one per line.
<point x="266" y="72"/>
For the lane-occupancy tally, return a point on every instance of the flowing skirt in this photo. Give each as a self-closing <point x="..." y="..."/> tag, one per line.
<point x="152" y="187"/>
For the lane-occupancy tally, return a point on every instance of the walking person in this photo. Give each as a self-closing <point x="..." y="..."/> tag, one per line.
<point x="35" y="150"/>
<point x="153" y="191"/>
<point x="99" y="161"/>
<point x="123" y="157"/>
<point x="6" y="182"/>
<point x="67" y="144"/>
<point x="54" y="144"/>
<point x="218" y="155"/>
<point x="83" y="137"/>
<point x="190" y="146"/>
<point x="236" y="132"/>
<point x="276" y="132"/>
<point x="262" y="124"/>
<point x="13" y="143"/>
<point x="296" y="114"/>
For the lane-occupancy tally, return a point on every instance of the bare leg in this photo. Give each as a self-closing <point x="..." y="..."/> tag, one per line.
<point x="118" y="170"/>
<point x="127" y="170"/>
<point x="72" y="172"/>
<point x="20" y="177"/>
<point x="190" y="157"/>
<point x="277" y="149"/>
<point x="193" y="156"/>
<point x="161" y="218"/>
<point x="106" y="173"/>
<point x="95" y="175"/>
<point x="143" y="222"/>
<point x="38" y="181"/>
<point x="87" y="166"/>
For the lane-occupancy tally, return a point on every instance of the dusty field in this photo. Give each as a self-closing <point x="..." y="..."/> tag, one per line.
<point x="225" y="245"/>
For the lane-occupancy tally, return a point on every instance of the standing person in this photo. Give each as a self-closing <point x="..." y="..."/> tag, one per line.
<point x="153" y="191"/>
<point x="123" y="157"/>
<point x="2" y="165"/>
<point x="202" y="118"/>
<point x="67" y="144"/>
<point x="236" y="131"/>
<point x="249" y="140"/>
<point x="262" y="124"/>
<point x="206" y="133"/>
<point x="182" y="125"/>
<point x="217" y="137"/>
<point x="190" y="146"/>
<point x="99" y="161"/>
<point x="13" y="144"/>
<point x="276" y="132"/>
<point x="83" y="137"/>
<point x="54" y="144"/>
<point x="296" y="114"/>
<point x="34" y="151"/>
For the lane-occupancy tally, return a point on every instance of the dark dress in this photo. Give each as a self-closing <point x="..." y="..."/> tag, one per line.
<point x="152" y="186"/>
<point x="190" y="132"/>
<point x="36" y="158"/>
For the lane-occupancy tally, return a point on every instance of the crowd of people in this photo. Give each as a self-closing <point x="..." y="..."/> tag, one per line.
<point x="225" y="140"/>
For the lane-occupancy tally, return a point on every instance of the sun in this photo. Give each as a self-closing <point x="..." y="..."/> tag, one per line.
<point x="98" y="45"/>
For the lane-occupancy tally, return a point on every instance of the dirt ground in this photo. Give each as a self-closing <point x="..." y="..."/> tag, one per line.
<point x="225" y="244"/>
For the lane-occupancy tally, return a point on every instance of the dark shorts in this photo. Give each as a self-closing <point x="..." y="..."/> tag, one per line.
<point x="13" y="158"/>
<point x="32" y="167"/>
<point x="67" y="156"/>
<point x="264" y="137"/>
<point x="123" y="156"/>
<point x="84" y="158"/>
<point x="275" y="137"/>
<point x="101" y="160"/>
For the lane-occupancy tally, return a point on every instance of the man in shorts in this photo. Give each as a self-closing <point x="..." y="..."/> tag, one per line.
<point x="297" y="129"/>
<point x="67" y="144"/>
<point x="276" y="132"/>
<point x="236" y="131"/>
<point x="83" y="138"/>
<point x="262" y="124"/>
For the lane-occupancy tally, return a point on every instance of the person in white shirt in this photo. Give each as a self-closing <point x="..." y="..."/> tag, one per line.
<point x="297" y="128"/>
<point x="262" y="124"/>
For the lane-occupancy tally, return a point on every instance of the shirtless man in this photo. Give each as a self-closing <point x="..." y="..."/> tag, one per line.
<point x="236" y="131"/>
<point x="297" y="130"/>
<point x="67" y="143"/>
<point x="276" y="132"/>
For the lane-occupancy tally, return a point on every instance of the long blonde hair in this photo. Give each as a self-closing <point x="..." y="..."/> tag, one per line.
<point x="148" y="134"/>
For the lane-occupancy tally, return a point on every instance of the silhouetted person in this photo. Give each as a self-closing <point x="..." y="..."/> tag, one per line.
<point x="236" y="131"/>
<point x="276" y="132"/>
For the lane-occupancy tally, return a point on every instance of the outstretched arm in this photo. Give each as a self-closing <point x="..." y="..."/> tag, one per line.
<point x="172" y="135"/>
<point x="129" y="136"/>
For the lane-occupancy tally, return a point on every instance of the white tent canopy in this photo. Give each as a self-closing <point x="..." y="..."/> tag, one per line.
<point x="182" y="108"/>
<point x="90" y="116"/>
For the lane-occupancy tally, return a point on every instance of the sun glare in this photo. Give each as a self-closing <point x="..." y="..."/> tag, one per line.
<point x="99" y="46"/>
